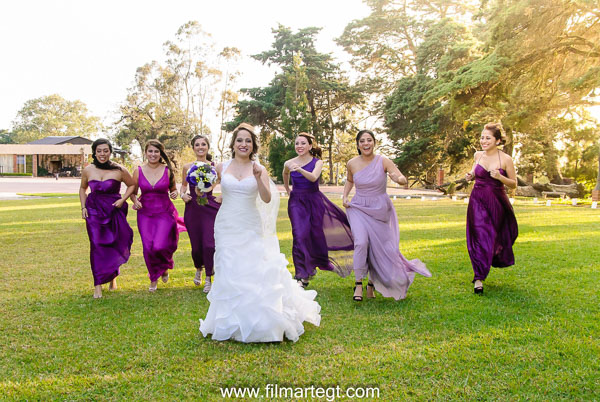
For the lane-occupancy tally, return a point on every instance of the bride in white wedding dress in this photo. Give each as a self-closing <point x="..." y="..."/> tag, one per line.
<point x="254" y="297"/>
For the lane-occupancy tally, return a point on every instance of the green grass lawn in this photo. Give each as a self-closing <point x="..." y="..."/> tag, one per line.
<point x="534" y="334"/>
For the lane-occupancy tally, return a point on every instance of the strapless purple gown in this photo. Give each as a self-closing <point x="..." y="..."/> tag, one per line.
<point x="376" y="235"/>
<point x="200" y="225"/>
<point x="321" y="231"/>
<point x="159" y="225"/>
<point x="110" y="234"/>
<point x="491" y="225"/>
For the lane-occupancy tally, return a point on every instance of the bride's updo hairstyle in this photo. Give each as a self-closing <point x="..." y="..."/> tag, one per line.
<point x="249" y="128"/>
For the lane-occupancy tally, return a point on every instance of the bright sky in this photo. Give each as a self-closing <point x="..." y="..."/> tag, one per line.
<point x="89" y="50"/>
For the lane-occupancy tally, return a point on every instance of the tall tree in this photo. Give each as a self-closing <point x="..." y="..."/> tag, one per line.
<point x="175" y="100"/>
<point x="152" y="111"/>
<point x="192" y="60"/>
<point x="520" y="62"/>
<point x="328" y="93"/>
<point x="229" y="56"/>
<point x="53" y="116"/>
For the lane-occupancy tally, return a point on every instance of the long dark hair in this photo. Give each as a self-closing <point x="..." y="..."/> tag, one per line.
<point x="315" y="151"/>
<point x="360" y="134"/>
<point x="163" y="158"/>
<point x="108" y="165"/>
<point x="205" y="138"/>
<point x="249" y="128"/>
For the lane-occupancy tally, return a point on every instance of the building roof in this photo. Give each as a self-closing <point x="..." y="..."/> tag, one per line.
<point x="57" y="140"/>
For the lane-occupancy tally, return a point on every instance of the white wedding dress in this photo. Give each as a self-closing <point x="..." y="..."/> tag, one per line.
<point x="254" y="297"/>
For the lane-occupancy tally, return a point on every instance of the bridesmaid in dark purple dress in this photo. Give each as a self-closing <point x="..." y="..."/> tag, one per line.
<point x="105" y="214"/>
<point x="491" y="224"/>
<point x="321" y="232"/>
<point x="200" y="219"/>
<point x="157" y="218"/>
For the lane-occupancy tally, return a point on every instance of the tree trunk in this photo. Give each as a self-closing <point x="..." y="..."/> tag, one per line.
<point x="552" y="163"/>
<point x="508" y="147"/>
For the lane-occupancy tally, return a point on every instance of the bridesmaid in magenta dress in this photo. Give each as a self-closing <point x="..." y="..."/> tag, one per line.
<point x="200" y="219"/>
<point x="491" y="224"/>
<point x="105" y="214"/>
<point x="157" y="218"/>
<point x="374" y="225"/>
<point x="321" y="232"/>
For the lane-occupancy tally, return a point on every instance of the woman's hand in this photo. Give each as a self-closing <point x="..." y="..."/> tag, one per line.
<point x="219" y="199"/>
<point x="186" y="197"/>
<point x="495" y="174"/>
<point x="173" y="194"/>
<point x="345" y="202"/>
<point x="397" y="178"/>
<point x="137" y="205"/>
<point x="84" y="214"/>
<point x="118" y="203"/>
<point x="256" y="171"/>
<point x="294" y="167"/>
<point x="469" y="176"/>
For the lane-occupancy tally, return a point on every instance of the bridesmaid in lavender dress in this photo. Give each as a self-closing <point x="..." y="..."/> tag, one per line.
<point x="157" y="218"/>
<point x="200" y="219"/>
<point x="105" y="214"/>
<point x="491" y="224"/>
<point x="322" y="236"/>
<point x="375" y="226"/>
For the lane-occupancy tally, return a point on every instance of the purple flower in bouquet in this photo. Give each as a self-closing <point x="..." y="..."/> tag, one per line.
<point x="203" y="176"/>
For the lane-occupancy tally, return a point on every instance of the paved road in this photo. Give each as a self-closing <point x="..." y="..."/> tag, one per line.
<point x="10" y="186"/>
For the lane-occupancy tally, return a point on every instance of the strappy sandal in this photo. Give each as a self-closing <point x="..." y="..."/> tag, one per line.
<point x="372" y="288"/>
<point x="356" y="297"/>
<point x="302" y="282"/>
<point x="207" y="285"/>
<point x="198" y="278"/>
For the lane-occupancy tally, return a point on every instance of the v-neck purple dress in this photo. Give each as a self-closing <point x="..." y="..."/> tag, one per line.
<point x="110" y="234"/>
<point x="491" y="225"/>
<point x="321" y="231"/>
<point x="159" y="225"/>
<point x="376" y="235"/>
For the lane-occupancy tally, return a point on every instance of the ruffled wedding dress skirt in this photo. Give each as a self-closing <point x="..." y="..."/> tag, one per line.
<point x="254" y="297"/>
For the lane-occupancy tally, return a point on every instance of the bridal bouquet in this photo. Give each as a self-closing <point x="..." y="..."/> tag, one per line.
<point x="203" y="176"/>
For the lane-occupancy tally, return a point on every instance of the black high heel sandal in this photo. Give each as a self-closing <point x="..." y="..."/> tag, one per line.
<point x="478" y="290"/>
<point x="357" y="298"/>
<point x="370" y="285"/>
<point x="302" y="283"/>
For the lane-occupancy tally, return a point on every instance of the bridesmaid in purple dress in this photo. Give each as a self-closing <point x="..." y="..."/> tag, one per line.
<point x="105" y="214"/>
<point x="491" y="224"/>
<point x="200" y="219"/>
<point x="157" y="218"/>
<point x="375" y="226"/>
<point x="322" y="236"/>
